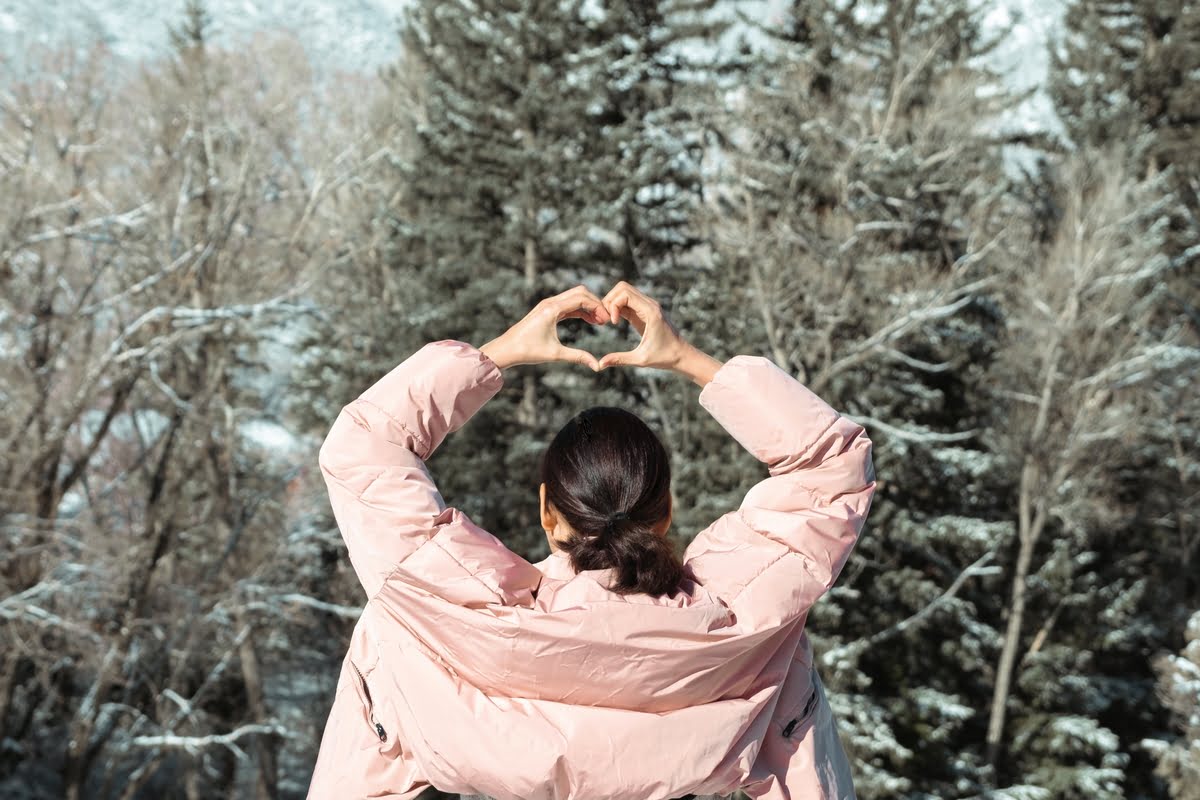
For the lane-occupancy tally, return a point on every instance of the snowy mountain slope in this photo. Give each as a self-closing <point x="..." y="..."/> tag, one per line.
<point x="1024" y="56"/>
<point x="361" y="34"/>
<point x="350" y="34"/>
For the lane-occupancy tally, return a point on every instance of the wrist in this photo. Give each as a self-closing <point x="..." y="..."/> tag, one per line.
<point x="697" y="366"/>
<point x="496" y="351"/>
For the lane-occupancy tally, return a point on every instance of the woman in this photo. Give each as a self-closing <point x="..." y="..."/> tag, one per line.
<point x="613" y="668"/>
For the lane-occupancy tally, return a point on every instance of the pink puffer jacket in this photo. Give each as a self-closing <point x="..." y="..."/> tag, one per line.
<point x="476" y="672"/>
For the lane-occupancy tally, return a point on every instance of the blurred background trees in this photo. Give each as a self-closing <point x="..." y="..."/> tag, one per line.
<point x="204" y="258"/>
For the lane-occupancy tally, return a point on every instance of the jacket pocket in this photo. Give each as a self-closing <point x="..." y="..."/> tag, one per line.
<point x="796" y="718"/>
<point x="793" y="727"/>
<point x="364" y="693"/>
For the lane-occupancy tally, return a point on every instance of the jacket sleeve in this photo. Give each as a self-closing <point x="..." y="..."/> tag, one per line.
<point x="373" y="458"/>
<point x="786" y="544"/>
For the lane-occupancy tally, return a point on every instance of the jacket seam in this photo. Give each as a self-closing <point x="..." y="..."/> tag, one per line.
<point x="805" y="559"/>
<point x="804" y="452"/>
<point x="387" y="576"/>
<point x="760" y="573"/>
<point x="391" y="573"/>
<point x="359" y="494"/>
<point x="486" y="370"/>
<point x="472" y="573"/>
<point x="416" y="436"/>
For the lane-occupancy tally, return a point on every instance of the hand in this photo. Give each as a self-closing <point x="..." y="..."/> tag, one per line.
<point x="661" y="347"/>
<point x="534" y="340"/>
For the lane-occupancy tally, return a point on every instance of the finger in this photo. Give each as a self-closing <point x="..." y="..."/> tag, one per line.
<point x="617" y="300"/>
<point x="624" y="358"/>
<point x="597" y="315"/>
<point x="633" y="306"/>
<point x="620" y="287"/>
<point x="579" y="302"/>
<point x="607" y="302"/>
<point x="581" y="357"/>
<point x="625" y="295"/>
<point x="581" y="292"/>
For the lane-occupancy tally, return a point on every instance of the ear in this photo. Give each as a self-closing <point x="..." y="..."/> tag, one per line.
<point x="543" y="509"/>
<point x="665" y="525"/>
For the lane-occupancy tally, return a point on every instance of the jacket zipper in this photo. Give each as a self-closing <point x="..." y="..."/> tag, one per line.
<point x="370" y="705"/>
<point x="809" y="707"/>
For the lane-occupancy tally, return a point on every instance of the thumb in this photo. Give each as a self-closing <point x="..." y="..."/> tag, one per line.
<point x="614" y="359"/>
<point x="581" y="357"/>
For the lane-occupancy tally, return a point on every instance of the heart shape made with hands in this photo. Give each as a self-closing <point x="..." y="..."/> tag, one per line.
<point x="659" y="341"/>
<point x="535" y="339"/>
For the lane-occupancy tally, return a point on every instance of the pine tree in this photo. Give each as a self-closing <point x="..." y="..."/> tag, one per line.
<point x="1091" y="586"/>
<point x="1179" y="686"/>
<point x="1125" y="69"/>
<point x="1125" y="72"/>
<point x="864" y="218"/>
<point x="539" y="146"/>
<point x="1122" y="80"/>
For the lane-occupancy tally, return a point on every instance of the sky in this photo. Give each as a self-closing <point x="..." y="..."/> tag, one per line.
<point x="361" y="34"/>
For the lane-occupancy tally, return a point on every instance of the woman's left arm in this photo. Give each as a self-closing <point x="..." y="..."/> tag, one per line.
<point x="373" y="458"/>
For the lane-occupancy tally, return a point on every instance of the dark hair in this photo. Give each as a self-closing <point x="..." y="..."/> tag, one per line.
<point x="608" y="475"/>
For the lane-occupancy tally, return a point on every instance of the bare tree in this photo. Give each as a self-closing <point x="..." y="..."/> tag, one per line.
<point x="158" y="237"/>
<point x="858" y="224"/>
<point x="1079" y="362"/>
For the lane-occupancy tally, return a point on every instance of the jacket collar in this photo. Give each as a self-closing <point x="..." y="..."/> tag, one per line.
<point x="557" y="565"/>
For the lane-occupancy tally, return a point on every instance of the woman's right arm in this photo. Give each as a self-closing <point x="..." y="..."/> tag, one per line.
<point x="786" y="544"/>
<point x="697" y="366"/>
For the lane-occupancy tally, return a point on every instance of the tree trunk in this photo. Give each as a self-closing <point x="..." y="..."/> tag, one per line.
<point x="264" y="745"/>
<point x="1029" y="530"/>
<point x="527" y="413"/>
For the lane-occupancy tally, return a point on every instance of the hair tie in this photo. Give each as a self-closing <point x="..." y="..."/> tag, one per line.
<point x="612" y="520"/>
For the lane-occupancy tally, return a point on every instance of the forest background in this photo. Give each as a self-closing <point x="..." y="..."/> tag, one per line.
<point x="203" y="257"/>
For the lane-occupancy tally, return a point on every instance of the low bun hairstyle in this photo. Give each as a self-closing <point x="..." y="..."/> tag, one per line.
<point x="608" y="475"/>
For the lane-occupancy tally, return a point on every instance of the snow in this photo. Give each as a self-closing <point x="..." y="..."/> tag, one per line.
<point x="1020" y="793"/>
<point x="272" y="437"/>
<point x="352" y="34"/>
<point x="1193" y="629"/>
<point x="1022" y="57"/>
<point x="72" y="503"/>
<point x="934" y="704"/>
<point x="592" y="11"/>
<point x="966" y="462"/>
<point x="142" y="424"/>
<point x="865" y="14"/>
<point x="362" y="34"/>
<point x="1073" y="733"/>
<point x="956" y="530"/>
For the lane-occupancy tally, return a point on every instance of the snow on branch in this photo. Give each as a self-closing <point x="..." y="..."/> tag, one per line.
<point x="193" y="744"/>
<point x="909" y="434"/>
<point x="858" y="646"/>
<point x="346" y="612"/>
<point x="17" y="606"/>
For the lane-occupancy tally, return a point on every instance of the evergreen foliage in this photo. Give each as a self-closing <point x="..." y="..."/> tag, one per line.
<point x="1021" y="344"/>
<point x="1179" y="688"/>
<point x="1126" y="73"/>
<point x="543" y="145"/>
<point x="865" y="221"/>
